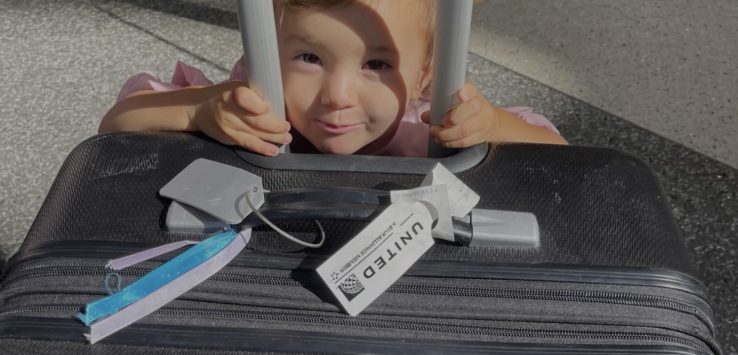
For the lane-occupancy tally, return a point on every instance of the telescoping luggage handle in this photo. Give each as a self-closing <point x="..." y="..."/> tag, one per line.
<point x="481" y="227"/>
<point x="208" y="196"/>
<point x="261" y="57"/>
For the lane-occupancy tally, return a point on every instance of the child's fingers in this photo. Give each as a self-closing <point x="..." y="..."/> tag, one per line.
<point x="466" y="141"/>
<point x="467" y="128"/>
<point x="463" y="112"/>
<point x="468" y="123"/>
<point x="470" y="104"/>
<point x="266" y="122"/>
<point x="467" y="92"/>
<point x="216" y="132"/>
<point x="279" y="138"/>
<point x="463" y="142"/>
<point x="251" y="142"/>
<point x="237" y="123"/>
<point x="246" y="99"/>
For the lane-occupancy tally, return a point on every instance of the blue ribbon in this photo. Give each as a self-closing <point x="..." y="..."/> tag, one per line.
<point x="157" y="278"/>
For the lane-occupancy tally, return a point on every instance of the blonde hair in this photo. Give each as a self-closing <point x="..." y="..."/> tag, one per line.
<point x="429" y="6"/>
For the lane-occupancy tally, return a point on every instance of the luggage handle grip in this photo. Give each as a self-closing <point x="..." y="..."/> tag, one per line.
<point x="481" y="227"/>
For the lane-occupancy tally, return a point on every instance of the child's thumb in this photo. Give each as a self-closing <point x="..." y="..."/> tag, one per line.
<point x="466" y="93"/>
<point x="248" y="100"/>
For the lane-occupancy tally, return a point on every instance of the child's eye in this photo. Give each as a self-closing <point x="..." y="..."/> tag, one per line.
<point x="309" y="58"/>
<point x="376" y="64"/>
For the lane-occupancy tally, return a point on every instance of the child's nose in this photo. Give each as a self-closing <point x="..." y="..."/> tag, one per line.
<point x="339" y="91"/>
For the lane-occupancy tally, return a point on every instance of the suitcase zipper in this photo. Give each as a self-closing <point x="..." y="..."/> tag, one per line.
<point x="563" y="295"/>
<point x="425" y="269"/>
<point x="292" y="316"/>
<point x="524" y="273"/>
<point x="429" y="268"/>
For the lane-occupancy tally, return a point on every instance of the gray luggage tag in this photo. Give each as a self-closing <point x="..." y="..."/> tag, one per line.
<point x="186" y="219"/>
<point x="222" y="191"/>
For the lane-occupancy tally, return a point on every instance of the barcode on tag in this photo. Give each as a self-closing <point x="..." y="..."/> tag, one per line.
<point x="372" y="261"/>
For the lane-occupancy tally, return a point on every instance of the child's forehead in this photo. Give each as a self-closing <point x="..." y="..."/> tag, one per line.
<point x="368" y="18"/>
<point x="423" y="7"/>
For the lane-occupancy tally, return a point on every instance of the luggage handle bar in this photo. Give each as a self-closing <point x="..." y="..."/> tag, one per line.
<point x="261" y="57"/>
<point x="481" y="227"/>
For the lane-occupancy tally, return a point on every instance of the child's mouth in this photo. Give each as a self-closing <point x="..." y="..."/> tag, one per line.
<point x="338" y="129"/>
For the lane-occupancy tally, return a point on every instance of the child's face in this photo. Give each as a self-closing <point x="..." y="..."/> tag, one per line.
<point x="349" y="72"/>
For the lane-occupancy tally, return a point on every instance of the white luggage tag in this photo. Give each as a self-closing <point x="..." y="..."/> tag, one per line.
<point x="217" y="189"/>
<point x="486" y="228"/>
<point x="460" y="196"/>
<point x="382" y="252"/>
<point x="436" y="195"/>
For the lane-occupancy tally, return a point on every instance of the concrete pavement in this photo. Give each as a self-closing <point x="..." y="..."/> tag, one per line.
<point x="576" y="61"/>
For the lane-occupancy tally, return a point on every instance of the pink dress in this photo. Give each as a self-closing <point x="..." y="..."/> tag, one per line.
<point x="411" y="138"/>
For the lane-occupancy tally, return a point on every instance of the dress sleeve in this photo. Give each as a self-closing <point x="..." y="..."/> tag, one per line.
<point x="238" y="72"/>
<point x="411" y="137"/>
<point x="526" y="114"/>
<point x="184" y="76"/>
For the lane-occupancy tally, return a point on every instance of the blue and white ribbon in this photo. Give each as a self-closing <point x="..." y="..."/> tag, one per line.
<point x="162" y="285"/>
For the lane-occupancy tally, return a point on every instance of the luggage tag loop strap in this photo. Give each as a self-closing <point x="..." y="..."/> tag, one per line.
<point x="118" y="284"/>
<point x="139" y="305"/>
<point x="282" y="232"/>
<point x="133" y="259"/>
<point x="163" y="274"/>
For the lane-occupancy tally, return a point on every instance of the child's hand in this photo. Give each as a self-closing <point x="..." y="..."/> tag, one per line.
<point x="474" y="120"/>
<point x="235" y="114"/>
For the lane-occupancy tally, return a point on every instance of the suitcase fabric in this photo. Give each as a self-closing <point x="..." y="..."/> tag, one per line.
<point x="611" y="275"/>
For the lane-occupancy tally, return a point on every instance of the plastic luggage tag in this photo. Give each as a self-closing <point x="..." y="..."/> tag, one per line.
<point x="382" y="252"/>
<point x="217" y="189"/>
<point x="160" y="276"/>
<point x="148" y="254"/>
<point x="187" y="219"/>
<point x="158" y="297"/>
<point x="461" y="198"/>
<point x="436" y="195"/>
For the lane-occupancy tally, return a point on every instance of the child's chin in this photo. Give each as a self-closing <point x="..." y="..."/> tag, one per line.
<point x="339" y="149"/>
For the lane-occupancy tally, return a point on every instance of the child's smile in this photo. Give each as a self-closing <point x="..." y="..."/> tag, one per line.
<point x="339" y="128"/>
<point x="350" y="71"/>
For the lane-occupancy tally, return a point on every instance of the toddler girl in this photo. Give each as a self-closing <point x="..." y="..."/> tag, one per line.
<point x="355" y="74"/>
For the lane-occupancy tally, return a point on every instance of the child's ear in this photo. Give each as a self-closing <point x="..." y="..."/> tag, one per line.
<point x="423" y="89"/>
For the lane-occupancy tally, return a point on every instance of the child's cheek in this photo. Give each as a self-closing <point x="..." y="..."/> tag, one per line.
<point x="385" y="109"/>
<point x="299" y="94"/>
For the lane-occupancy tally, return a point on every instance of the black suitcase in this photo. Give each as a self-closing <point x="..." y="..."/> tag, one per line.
<point x="611" y="274"/>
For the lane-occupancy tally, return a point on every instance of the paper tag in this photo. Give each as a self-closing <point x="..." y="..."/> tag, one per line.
<point x="436" y="195"/>
<point x="217" y="189"/>
<point x="460" y="196"/>
<point x="382" y="252"/>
